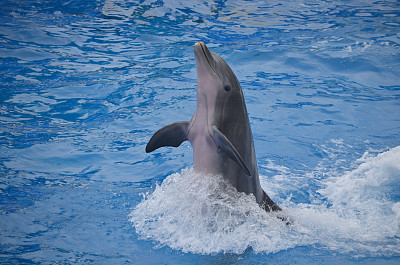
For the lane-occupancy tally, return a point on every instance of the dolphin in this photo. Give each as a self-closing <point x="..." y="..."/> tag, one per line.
<point x="219" y="130"/>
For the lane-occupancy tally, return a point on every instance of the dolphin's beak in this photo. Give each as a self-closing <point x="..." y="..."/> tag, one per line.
<point x="204" y="60"/>
<point x="202" y="52"/>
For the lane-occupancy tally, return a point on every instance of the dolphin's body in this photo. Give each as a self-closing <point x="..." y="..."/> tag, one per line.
<point x="219" y="130"/>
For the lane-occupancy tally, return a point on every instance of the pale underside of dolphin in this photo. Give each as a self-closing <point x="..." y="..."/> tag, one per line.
<point x="219" y="130"/>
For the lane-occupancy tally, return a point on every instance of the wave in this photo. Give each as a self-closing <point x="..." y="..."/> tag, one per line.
<point x="357" y="212"/>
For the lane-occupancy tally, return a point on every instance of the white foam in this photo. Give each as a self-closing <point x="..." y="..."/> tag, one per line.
<point x="356" y="213"/>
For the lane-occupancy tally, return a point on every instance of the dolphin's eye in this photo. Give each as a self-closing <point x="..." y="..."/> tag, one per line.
<point x="227" y="88"/>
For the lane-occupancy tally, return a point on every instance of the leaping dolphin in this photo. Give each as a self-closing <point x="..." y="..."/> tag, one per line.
<point x="219" y="130"/>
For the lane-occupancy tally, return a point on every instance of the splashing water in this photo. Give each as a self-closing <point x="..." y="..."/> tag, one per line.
<point x="204" y="214"/>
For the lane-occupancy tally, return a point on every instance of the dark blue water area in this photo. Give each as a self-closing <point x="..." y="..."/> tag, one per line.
<point x="85" y="84"/>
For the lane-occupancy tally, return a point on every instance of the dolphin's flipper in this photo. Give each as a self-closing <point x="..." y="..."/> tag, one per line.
<point x="227" y="147"/>
<point x="170" y="135"/>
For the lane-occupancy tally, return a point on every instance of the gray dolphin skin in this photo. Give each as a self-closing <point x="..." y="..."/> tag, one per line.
<point x="219" y="130"/>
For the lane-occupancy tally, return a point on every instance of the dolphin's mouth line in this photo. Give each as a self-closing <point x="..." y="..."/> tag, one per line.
<point x="208" y="60"/>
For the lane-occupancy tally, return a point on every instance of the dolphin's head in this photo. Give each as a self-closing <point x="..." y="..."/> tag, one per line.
<point x="217" y="85"/>
<point x="213" y="73"/>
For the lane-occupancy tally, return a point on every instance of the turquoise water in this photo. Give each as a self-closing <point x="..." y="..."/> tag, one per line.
<point x="85" y="84"/>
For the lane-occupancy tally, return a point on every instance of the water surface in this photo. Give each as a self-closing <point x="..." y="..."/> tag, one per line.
<point x="84" y="85"/>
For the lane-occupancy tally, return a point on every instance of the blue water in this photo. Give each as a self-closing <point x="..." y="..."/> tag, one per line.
<point x="85" y="84"/>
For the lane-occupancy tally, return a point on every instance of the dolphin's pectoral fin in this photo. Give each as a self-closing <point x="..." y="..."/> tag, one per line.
<point x="227" y="147"/>
<point x="170" y="135"/>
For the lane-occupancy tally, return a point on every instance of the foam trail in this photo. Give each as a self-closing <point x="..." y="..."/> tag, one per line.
<point x="358" y="213"/>
<point x="366" y="201"/>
